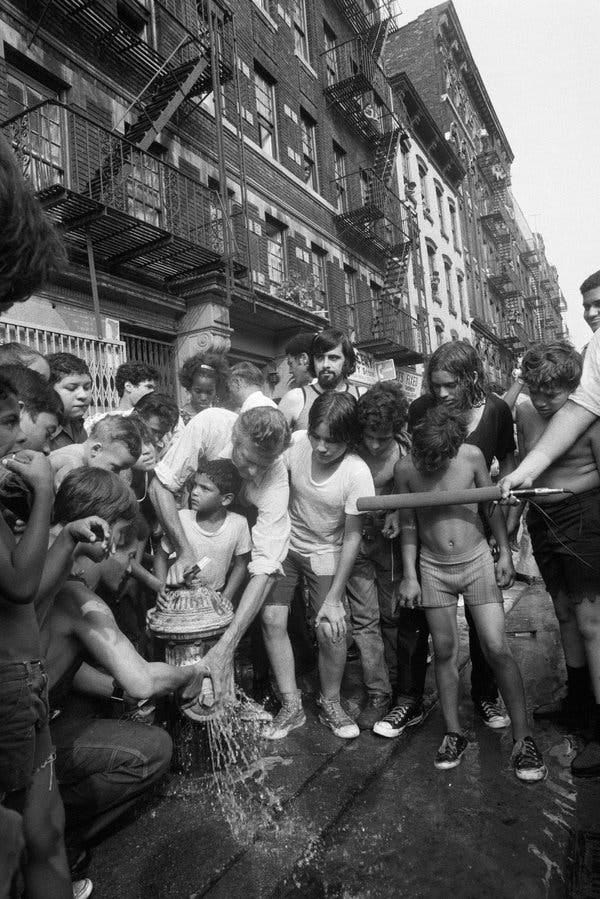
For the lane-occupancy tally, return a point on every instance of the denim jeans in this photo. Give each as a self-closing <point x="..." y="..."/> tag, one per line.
<point x="369" y="591"/>
<point x="25" y="744"/>
<point x="103" y="768"/>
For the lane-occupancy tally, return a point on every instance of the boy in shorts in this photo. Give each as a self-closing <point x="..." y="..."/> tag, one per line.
<point x="565" y="535"/>
<point x="455" y="559"/>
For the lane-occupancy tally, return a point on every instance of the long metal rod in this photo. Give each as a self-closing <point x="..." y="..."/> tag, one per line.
<point x="426" y="500"/>
<point x="94" y="283"/>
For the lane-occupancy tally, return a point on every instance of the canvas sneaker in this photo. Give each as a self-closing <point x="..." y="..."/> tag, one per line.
<point x="82" y="888"/>
<point x="288" y="718"/>
<point x="403" y="715"/>
<point x="527" y="761"/>
<point x="333" y="716"/>
<point x="451" y="751"/>
<point x="493" y="714"/>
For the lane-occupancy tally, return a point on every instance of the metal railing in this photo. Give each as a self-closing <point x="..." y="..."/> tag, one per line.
<point x="370" y="210"/>
<point x="380" y="321"/>
<point x="58" y="147"/>
<point x="102" y="357"/>
<point x="353" y="69"/>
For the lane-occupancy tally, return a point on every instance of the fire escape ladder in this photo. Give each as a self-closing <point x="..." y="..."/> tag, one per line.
<point x="395" y="272"/>
<point x="385" y="155"/>
<point x="355" y="15"/>
<point x="170" y="91"/>
<point x="376" y="35"/>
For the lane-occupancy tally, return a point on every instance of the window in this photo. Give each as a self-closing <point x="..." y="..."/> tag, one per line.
<point x="309" y="149"/>
<point x="331" y="66"/>
<point x="216" y="239"/>
<point x="339" y="174"/>
<point x="454" y="225"/>
<point x="350" y="299"/>
<point x="317" y="263"/>
<point x="439" y="197"/>
<point x="424" y="189"/>
<point x="449" y="294"/>
<point x="300" y="39"/>
<point x="144" y="194"/>
<point x="42" y="152"/>
<point x="133" y="15"/>
<point x="275" y="251"/>
<point x="376" y="291"/>
<point x="364" y="188"/>
<point x="265" y="111"/>
<point x="460" y="285"/>
<point x="439" y="331"/>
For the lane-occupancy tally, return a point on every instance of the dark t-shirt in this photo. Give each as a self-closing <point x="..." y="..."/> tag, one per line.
<point x="494" y="435"/>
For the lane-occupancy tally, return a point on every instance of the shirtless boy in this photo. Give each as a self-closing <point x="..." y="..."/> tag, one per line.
<point x="455" y="559"/>
<point x="565" y="534"/>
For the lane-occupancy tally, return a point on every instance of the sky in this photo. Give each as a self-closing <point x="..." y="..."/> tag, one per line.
<point x="538" y="61"/>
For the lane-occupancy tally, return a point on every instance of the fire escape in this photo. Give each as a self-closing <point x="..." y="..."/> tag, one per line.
<point x="371" y="216"/>
<point x="118" y="202"/>
<point x="498" y="222"/>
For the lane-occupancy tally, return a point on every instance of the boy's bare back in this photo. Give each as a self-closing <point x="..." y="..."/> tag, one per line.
<point x="447" y="530"/>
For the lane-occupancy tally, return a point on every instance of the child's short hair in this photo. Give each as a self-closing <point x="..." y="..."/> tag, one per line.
<point x="161" y="405"/>
<point x="63" y="364"/>
<point x="223" y="474"/>
<point x="265" y="427"/>
<point x="135" y="373"/>
<point x="247" y="372"/>
<point x="338" y="412"/>
<point x="555" y="364"/>
<point x="383" y="407"/>
<point x="18" y="354"/>
<point x="94" y="491"/>
<point x="118" y="428"/>
<point x="437" y="438"/>
<point x="590" y="283"/>
<point x="34" y="391"/>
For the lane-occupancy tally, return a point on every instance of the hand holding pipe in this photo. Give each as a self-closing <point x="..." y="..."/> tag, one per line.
<point x="444" y="498"/>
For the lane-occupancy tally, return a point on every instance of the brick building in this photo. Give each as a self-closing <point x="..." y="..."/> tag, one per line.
<point x="224" y="175"/>
<point x="501" y="259"/>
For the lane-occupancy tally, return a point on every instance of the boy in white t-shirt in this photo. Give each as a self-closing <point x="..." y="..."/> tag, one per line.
<point x="212" y="530"/>
<point x="326" y="479"/>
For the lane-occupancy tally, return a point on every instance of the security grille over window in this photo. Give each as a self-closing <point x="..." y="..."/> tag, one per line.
<point x="102" y="357"/>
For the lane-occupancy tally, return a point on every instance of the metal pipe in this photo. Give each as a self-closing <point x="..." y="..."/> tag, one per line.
<point x="427" y="500"/>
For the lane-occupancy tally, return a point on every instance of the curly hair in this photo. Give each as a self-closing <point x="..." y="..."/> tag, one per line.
<point x="591" y="282"/>
<point x="223" y="474"/>
<point x="209" y="365"/>
<point x="383" y="408"/>
<point x="30" y="247"/>
<point x="327" y="340"/>
<point x="464" y="362"/>
<point x="160" y="405"/>
<point x="63" y="364"/>
<point x="547" y="366"/>
<point x="266" y="428"/>
<point x="94" y="491"/>
<point x="437" y="438"/>
<point x="338" y="412"/>
<point x="135" y="373"/>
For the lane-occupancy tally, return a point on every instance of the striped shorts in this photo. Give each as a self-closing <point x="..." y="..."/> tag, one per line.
<point x="472" y="573"/>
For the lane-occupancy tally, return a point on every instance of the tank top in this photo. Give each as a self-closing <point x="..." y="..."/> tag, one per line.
<point x="310" y="394"/>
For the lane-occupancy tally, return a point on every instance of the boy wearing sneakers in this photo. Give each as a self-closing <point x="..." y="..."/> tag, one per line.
<point x="565" y="535"/>
<point x="455" y="559"/>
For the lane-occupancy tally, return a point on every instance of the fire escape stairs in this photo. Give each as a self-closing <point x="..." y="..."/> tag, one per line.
<point x="376" y="36"/>
<point x="385" y="155"/>
<point x="395" y="273"/>
<point x="355" y="15"/>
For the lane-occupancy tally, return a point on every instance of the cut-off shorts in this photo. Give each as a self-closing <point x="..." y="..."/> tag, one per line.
<point x="471" y="573"/>
<point x="318" y="570"/>
<point x="25" y="741"/>
<point x="565" y="539"/>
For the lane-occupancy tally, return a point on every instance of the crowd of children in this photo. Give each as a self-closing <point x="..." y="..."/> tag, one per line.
<point x="100" y="514"/>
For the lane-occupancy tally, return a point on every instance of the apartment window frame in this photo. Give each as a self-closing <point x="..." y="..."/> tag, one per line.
<point x="424" y="188"/>
<point x="454" y="224"/>
<point x="447" y="263"/>
<point x="46" y="159"/>
<point x="318" y="269"/>
<point x="275" y="233"/>
<point x="264" y="92"/>
<point x="339" y="176"/>
<point x="439" y="199"/>
<point x="308" y="130"/>
<point x="300" y="27"/>
<point x="331" y="61"/>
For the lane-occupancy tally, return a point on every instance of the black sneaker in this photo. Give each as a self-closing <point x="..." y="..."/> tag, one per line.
<point x="587" y="762"/>
<point x="527" y="761"/>
<point x="397" y="719"/>
<point x="376" y="707"/>
<point x="451" y="751"/>
<point x="493" y="714"/>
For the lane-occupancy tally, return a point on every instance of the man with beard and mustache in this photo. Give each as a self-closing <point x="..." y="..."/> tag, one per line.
<point x="456" y="378"/>
<point x="332" y="361"/>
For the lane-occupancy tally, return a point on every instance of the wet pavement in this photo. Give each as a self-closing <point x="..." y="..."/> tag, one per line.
<point x="372" y="817"/>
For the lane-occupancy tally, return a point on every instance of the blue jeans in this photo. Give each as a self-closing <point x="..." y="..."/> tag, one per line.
<point x="369" y="591"/>
<point x="103" y="768"/>
<point x="25" y="744"/>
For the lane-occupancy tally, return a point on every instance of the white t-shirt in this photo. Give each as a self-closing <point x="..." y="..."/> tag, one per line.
<point x="588" y="391"/>
<point x="231" y="539"/>
<point x="318" y="511"/>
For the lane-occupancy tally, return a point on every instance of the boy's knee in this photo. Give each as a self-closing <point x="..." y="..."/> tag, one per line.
<point x="274" y="621"/>
<point x="446" y="649"/>
<point x="588" y="620"/>
<point x="563" y="609"/>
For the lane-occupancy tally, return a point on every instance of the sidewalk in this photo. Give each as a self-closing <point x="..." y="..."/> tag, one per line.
<point x="372" y="817"/>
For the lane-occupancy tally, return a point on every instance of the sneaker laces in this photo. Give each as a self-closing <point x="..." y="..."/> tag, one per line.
<point x="526" y="754"/>
<point x="398" y="713"/>
<point x="449" y="744"/>
<point x="334" y="710"/>
<point x="491" y="708"/>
